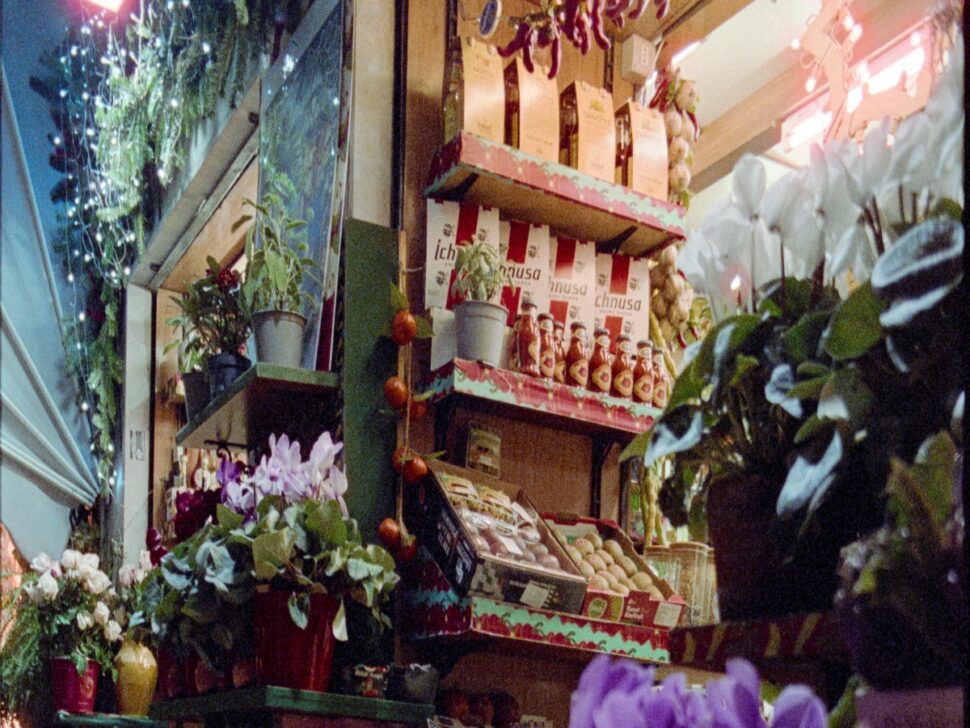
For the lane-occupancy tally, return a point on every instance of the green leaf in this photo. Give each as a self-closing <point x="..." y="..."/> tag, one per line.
<point x="845" y="396"/>
<point x="270" y="552"/>
<point x="424" y="328"/>
<point x="808" y="482"/>
<point x="743" y="365"/>
<point x="779" y="387"/>
<point x="227" y="518"/>
<point x="948" y="207"/>
<point x="808" y="388"/>
<point x="327" y="523"/>
<point x="933" y="468"/>
<point x="299" y="607"/>
<point x="812" y="427"/>
<point x="687" y="387"/>
<point x="399" y="302"/>
<point x="637" y="447"/>
<point x="240" y="222"/>
<point x="801" y="340"/>
<point x="675" y="432"/>
<point x="854" y="327"/>
<point x="812" y="369"/>
<point x="721" y="343"/>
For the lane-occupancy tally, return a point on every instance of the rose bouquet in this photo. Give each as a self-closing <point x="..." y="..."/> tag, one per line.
<point x="622" y="694"/>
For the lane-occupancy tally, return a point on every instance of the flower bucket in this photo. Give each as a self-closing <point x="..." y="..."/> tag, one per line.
<point x="290" y="657"/>
<point x="171" y="676"/>
<point x="199" y="678"/>
<point x="480" y="331"/>
<point x="224" y="369"/>
<point x="137" y="675"/>
<point x="279" y="337"/>
<point x="196" y="393"/>
<point x="72" y="692"/>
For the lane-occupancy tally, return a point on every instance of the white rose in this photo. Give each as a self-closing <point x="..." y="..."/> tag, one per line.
<point x="71" y="559"/>
<point x="85" y="571"/>
<point x="112" y="631"/>
<point x="47" y="586"/>
<point x="102" y="613"/>
<point x="97" y="582"/>
<point x="145" y="560"/>
<point x="90" y="560"/>
<point x="84" y="620"/>
<point x="126" y="576"/>
<point x="43" y="563"/>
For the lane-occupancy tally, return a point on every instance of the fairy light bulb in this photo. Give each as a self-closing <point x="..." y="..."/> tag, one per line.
<point x="81" y="317"/>
<point x="127" y="270"/>
<point x="70" y="278"/>
<point x="84" y="408"/>
<point x="848" y="21"/>
<point x="810" y="84"/>
<point x="855" y="33"/>
<point x="796" y="43"/>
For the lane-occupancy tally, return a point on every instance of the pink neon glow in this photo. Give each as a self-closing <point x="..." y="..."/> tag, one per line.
<point x="113" y="5"/>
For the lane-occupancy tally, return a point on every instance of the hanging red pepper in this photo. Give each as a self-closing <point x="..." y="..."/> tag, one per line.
<point x="518" y="42"/>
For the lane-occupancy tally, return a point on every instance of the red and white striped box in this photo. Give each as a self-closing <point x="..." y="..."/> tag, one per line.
<point x="451" y="224"/>
<point x="572" y="281"/>
<point x="525" y="248"/>
<point x="622" y="296"/>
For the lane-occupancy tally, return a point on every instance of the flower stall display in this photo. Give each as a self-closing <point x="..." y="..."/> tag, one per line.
<point x="72" y="601"/>
<point x="623" y="694"/>
<point x="307" y="558"/>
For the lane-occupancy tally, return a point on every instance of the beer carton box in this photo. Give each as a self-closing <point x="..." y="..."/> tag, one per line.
<point x="572" y="281"/>
<point x="525" y="249"/>
<point x="451" y="224"/>
<point x="646" y="164"/>
<point x="592" y="139"/>
<point x="622" y="302"/>
<point x="532" y="123"/>
<point x="482" y="109"/>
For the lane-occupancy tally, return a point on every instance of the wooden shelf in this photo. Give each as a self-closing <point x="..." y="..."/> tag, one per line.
<point x="267" y="398"/>
<point x="573" y="204"/>
<point x="270" y="699"/>
<point x="519" y="396"/>
<point x="107" y="719"/>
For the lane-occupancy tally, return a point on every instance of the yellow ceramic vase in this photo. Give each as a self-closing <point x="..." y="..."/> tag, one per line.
<point x="137" y="674"/>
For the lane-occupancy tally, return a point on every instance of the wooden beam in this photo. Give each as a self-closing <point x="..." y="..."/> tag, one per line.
<point x="754" y="124"/>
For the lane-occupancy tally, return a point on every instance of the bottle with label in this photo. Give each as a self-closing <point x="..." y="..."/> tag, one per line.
<point x="643" y="374"/>
<point x="513" y="345"/>
<point x="661" y="381"/>
<point x="577" y="358"/>
<point x="559" y="375"/>
<point x="511" y="106"/>
<point x="527" y="341"/>
<point x="568" y="127"/>
<point x="547" y="348"/>
<point x="454" y="100"/>
<point x="600" y="365"/>
<point x="623" y="148"/>
<point x="623" y="368"/>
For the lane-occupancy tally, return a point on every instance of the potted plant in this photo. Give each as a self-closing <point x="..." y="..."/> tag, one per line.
<point x="191" y="350"/>
<point x="135" y="662"/>
<point x="308" y="557"/>
<point x="68" y="605"/>
<point x="223" y="325"/>
<point x="274" y="280"/>
<point x="479" y="321"/>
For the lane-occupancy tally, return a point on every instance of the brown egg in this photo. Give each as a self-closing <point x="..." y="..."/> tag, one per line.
<point x="596" y="562"/>
<point x="599" y="583"/>
<point x="613" y="549"/>
<point x="605" y="555"/>
<point x="584" y="546"/>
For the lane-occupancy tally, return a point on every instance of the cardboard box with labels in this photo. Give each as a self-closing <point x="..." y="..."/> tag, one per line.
<point x="474" y="91"/>
<point x="622" y="302"/>
<point x="644" y="166"/>
<point x="532" y="104"/>
<point x="451" y="224"/>
<point x="587" y="131"/>
<point x="525" y="249"/>
<point x="572" y="281"/>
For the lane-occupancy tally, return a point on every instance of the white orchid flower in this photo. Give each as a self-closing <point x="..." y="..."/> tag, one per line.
<point x="789" y="215"/>
<point x="101" y="613"/>
<point x="47" y="586"/>
<point x="97" y="582"/>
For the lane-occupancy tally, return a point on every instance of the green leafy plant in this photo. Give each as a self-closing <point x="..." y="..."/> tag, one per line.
<point x="192" y="350"/>
<point x="276" y="269"/>
<point x="480" y="274"/>
<point x="24" y="675"/>
<point x="309" y="547"/>
<point x="214" y="308"/>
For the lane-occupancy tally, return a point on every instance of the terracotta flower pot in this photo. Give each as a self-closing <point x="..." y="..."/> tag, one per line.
<point x="73" y="692"/>
<point x="290" y="657"/>
<point x="137" y="675"/>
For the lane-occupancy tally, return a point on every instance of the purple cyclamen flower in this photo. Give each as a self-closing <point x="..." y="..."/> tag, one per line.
<point x="605" y="677"/>
<point x="240" y="497"/>
<point x="798" y="707"/>
<point x="734" y="701"/>
<point x="229" y="471"/>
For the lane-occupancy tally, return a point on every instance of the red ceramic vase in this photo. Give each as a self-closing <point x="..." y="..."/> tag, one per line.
<point x="290" y="657"/>
<point x="72" y="692"/>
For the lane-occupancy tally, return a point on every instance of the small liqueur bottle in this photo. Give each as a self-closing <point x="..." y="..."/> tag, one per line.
<point x="622" y="386"/>
<point x="527" y="341"/>
<point x="600" y="365"/>
<point x="643" y="374"/>
<point x="559" y="375"/>
<point x="547" y="348"/>
<point x="577" y="358"/>
<point x="568" y="127"/>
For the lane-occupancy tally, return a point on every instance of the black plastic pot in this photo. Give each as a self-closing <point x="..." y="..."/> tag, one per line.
<point x="196" y="393"/>
<point x="224" y="369"/>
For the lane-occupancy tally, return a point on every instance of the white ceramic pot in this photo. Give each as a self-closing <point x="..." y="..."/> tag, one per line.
<point x="279" y="337"/>
<point x="480" y="331"/>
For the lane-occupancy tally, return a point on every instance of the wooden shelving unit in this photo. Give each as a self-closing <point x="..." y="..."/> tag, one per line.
<point x="268" y="705"/>
<point x="572" y="203"/>
<point x="267" y="398"/>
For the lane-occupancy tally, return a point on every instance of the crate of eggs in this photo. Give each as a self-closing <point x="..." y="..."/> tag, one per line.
<point x="622" y="586"/>
<point x="489" y="541"/>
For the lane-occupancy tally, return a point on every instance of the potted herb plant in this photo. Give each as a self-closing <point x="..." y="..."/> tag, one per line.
<point x="191" y="350"/>
<point x="275" y="274"/>
<point x="479" y="320"/>
<point x="70" y="601"/>
<point x="308" y="558"/>
<point x="223" y="325"/>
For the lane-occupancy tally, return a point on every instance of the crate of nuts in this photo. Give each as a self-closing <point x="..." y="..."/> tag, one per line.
<point x="622" y="586"/>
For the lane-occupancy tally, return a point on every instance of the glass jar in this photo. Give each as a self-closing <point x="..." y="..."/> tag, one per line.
<point x="559" y="375"/>
<point x="547" y="347"/>
<point x="643" y="374"/>
<point x="661" y="381"/>
<point x="577" y="357"/>
<point x="527" y="341"/>
<point x="622" y="386"/>
<point x="600" y="364"/>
